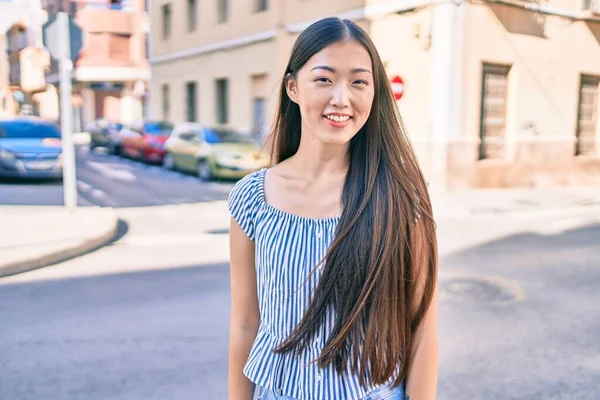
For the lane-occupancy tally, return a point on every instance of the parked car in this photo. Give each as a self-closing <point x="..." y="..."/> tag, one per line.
<point x="30" y="148"/>
<point x="145" y="140"/>
<point x="213" y="152"/>
<point x="114" y="140"/>
<point x="98" y="130"/>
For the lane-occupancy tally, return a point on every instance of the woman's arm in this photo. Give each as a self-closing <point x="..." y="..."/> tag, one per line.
<point x="423" y="374"/>
<point x="245" y="316"/>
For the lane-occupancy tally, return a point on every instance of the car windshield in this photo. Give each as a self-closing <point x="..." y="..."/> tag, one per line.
<point x="225" y="136"/>
<point x="28" y="130"/>
<point x="158" y="128"/>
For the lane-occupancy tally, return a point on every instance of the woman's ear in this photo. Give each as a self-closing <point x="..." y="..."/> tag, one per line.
<point x="291" y="88"/>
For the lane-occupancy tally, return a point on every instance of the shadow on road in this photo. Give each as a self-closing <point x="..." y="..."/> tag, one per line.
<point x="519" y="315"/>
<point x="31" y="181"/>
<point x="158" y="334"/>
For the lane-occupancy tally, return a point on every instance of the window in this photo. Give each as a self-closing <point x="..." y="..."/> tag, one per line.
<point x="166" y="21"/>
<point x="494" y="91"/>
<point x="192" y="12"/>
<point x="590" y="5"/>
<point x="165" y="101"/>
<point x="587" y="115"/>
<point x="116" y="5"/>
<point x="222" y="100"/>
<point x="259" y="118"/>
<point x="223" y="14"/>
<point x="261" y="5"/>
<point x="190" y="101"/>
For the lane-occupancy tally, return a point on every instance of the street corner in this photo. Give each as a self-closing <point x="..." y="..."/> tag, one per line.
<point x="39" y="236"/>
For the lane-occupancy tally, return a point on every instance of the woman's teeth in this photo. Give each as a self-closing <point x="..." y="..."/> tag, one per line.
<point x="337" y="118"/>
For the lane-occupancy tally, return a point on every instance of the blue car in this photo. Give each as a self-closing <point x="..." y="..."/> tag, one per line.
<point x="30" y="148"/>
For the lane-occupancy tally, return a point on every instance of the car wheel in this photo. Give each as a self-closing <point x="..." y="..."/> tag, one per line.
<point x="203" y="170"/>
<point x="168" y="162"/>
<point x="113" y="149"/>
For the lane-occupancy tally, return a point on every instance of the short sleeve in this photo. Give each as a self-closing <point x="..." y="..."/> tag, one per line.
<point x="242" y="203"/>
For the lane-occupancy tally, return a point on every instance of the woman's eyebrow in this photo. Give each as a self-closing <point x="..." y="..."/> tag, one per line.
<point x="332" y="70"/>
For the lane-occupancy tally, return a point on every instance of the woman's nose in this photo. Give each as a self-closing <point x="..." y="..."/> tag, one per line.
<point x="340" y="96"/>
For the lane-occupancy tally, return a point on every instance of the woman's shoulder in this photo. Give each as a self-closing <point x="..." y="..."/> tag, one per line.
<point x="248" y="189"/>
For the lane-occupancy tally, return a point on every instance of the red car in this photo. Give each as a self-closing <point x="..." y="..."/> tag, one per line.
<point x="145" y="140"/>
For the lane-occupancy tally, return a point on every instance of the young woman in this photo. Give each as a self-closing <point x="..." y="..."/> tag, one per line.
<point x="333" y="249"/>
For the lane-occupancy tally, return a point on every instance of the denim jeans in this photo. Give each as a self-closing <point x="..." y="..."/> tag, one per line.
<point x="384" y="393"/>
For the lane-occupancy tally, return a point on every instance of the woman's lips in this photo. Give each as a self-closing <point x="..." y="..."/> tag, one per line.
<point x="337" y="124"/>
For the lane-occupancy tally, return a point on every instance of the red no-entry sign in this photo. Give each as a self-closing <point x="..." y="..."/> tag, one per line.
<point x="397" y="87"/>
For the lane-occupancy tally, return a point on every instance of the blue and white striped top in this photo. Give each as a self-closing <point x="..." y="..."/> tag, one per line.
<point x="287" y="247"/>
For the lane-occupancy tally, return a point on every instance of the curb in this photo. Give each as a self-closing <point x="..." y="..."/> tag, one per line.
<point x="83" y="247"/>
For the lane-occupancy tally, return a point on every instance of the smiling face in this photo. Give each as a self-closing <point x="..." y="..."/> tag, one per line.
<point x="334" y="91"/>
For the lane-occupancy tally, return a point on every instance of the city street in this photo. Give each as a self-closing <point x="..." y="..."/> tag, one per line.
<point x="147" y="316"/>
<point x="107" y="180"/>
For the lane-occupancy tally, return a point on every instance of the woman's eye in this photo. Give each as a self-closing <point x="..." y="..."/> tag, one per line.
<point x="323" y="80"/>
<point x="361" y="82"/>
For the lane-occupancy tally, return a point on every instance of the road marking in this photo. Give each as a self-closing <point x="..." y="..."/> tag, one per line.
<point x="98" y="193"/>
<point x="120" y="174"/>
<point x="84" y="187"/>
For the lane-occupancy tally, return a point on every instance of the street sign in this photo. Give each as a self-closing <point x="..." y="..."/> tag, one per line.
<point x="397" y="87"/>
<point x="52" y="32"/>
<point x="62" y="38"/>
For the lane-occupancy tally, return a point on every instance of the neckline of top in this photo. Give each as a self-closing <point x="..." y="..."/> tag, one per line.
<point x="261" y="188"/>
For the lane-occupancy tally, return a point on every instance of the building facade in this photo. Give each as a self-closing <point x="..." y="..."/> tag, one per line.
<point x="111" y="73"/>
<point x="497" y="93"/>
<point x="23" y="59"/>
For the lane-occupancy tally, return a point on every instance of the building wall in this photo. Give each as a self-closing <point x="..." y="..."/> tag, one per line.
<point x="403" y="42"/>
<point x="547" y="55"/>
<point x="205" y="70"/>
<point x="241" y="63"/>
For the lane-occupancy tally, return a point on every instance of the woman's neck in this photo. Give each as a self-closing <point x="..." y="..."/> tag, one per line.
<point x="314" y="159"/>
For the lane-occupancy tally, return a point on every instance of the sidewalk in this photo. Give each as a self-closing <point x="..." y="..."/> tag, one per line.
<point x="517" y="203"/>
<point x="37" y="236"/>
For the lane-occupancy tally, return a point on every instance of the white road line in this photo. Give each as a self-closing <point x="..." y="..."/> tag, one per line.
<point x="99" y="194"/>
<point x="84" y="187"/>
<point x="108" y="172"/>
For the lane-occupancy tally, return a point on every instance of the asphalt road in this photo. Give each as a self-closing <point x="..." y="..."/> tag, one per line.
<point x="107" y="180"/>
<point x="147" y="316"/>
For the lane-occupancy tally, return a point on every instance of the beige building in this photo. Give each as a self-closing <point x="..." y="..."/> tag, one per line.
<point x="111" y="73"/>
<point x="497" y="93"/>
<point x="23" y="59"/>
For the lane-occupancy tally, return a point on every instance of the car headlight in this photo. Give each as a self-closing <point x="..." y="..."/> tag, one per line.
<point x="6" y="155"/>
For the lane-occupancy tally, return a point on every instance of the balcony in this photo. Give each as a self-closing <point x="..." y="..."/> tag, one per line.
<point x="106" y="50"/>
<point x="96" y="17"/>
<point x="27" y="68"/>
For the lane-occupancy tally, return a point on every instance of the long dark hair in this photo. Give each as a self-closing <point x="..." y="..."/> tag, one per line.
<point x="381" y="269"/>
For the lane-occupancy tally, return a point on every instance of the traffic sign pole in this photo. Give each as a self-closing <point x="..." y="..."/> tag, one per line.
<point x="66" y="112"/>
